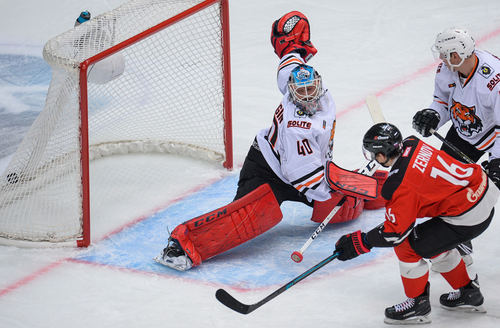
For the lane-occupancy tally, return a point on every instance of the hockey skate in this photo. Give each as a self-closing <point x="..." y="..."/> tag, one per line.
<point x="466" y="299"/>
<point x="174" y="257"/>
<point x="413" y="311"/>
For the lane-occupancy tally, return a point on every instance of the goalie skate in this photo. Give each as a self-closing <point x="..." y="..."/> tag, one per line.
<point x="174" y="257"/>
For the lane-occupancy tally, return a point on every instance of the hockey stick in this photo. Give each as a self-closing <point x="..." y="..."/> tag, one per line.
<point x="235" y="305"/>
<point x="452" y="146"/>
<point x="368" y="169"/>
<point x="374" y="109"/>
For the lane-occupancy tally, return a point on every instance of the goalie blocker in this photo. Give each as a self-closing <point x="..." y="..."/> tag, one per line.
<point x="362" y="193"/>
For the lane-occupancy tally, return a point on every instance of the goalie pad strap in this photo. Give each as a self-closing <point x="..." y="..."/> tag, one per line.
<point x="229" y="226"/>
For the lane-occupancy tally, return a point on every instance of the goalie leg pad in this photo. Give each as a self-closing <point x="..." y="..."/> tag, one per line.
<point x="350" y="210"/>
<point x="379" y="202"/>
<point x="229" y="226"/>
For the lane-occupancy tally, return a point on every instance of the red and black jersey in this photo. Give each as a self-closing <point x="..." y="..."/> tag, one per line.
<point x="426" y="182"/>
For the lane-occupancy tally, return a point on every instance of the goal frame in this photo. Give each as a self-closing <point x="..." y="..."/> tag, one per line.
<point x="84" y="66"/>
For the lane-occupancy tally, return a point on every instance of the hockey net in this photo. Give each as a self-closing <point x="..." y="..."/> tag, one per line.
<point x="158" y="82"/>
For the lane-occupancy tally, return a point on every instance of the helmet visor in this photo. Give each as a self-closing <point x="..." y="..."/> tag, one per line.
<point x="368" y="154"/>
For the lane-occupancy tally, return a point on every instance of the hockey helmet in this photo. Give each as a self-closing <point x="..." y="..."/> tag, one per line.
<point x="382" y="138"/>
<point x="452" y="40"/>
<point x="306" y="89"/>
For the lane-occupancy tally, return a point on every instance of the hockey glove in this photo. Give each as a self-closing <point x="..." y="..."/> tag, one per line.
<point x="493" y="168"/>
<point x="352" y="245"/>
<point x="425" y="120"/>
<point x="291" y="33"/>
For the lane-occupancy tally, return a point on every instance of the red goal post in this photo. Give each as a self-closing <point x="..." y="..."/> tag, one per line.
<point x="151" y="76"/>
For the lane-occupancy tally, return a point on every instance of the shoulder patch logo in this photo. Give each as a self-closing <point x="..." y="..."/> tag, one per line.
<point x="486" y="70"/>
<point x="465" y="119"/>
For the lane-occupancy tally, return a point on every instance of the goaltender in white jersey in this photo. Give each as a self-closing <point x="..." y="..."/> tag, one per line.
<point x="286" y="162"/>
<point x="296" y="146"/>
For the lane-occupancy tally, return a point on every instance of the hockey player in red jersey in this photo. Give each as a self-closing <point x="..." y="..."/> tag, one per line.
<point x="425" y="182"/>
<point x="467" y="92"/>
<point x="286" y="161"/>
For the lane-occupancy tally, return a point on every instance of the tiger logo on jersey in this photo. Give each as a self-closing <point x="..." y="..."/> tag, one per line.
<point x="465" y="119"/>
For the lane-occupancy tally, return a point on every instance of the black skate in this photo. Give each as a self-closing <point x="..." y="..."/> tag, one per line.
<point x="174" y="257"/>
<point x="466" y="299"/>
<point x="413" y="311"/>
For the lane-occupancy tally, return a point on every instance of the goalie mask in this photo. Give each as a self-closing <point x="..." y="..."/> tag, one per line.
<point x="453" y="40"/>
<point x="382" y="138"/>
<point x="306" y="89"/>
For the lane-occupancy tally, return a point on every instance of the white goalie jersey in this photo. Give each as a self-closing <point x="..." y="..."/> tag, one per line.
<point x="297" y="146"/>
<point x="472" y="103"/>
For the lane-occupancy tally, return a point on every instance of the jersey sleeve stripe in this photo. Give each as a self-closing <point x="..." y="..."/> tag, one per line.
<point x="320" y="169"/>
<point x="289" y="61"/>
<point x="488" y="142"/>
<point x="309" y="183"/>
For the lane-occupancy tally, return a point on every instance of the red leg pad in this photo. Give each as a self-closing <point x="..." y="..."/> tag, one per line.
<point x="350" y="210"/>
<point x="229" y="226"/>
<point x="378" y="202"/>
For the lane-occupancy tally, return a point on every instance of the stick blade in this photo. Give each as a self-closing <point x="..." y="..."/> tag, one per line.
<point x="232" y="303"/>
<point x="374" y="109"/>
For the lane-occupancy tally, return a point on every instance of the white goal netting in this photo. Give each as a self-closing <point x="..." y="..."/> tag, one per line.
<point x="161" y="91"/>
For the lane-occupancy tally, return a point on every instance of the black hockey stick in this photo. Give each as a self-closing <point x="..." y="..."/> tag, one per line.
<point x="239" y="307"/>
<point x="452" y="146"/>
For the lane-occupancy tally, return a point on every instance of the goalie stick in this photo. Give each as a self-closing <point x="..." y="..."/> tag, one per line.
<point x="225" y="298"/>
<point x="368" y="169"/>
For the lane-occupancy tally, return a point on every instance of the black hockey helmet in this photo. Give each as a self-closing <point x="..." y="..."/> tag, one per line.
<point x="383" y="138"/>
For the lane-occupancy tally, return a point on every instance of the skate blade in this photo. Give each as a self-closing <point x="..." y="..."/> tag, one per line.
<point x="159" y="259"/>
<point x="466" y="309"/>
<point x="418" y="320"/>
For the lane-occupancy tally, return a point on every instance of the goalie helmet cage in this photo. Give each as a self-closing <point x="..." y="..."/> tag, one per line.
<point x="163" y="87"/>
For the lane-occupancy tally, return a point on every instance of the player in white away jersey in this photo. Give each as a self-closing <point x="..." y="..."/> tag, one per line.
<point x="286" y="161"/>
<point x="467" y="92"/>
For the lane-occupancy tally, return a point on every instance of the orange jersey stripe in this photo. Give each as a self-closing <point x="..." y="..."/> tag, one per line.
<point x="313" y="181"/>
<point x="288" y="62"/>
<point x="489" y="142"/>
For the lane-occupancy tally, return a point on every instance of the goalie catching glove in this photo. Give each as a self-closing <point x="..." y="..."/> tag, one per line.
<point x="352" y="245"/>
<point x="291" y="33"/>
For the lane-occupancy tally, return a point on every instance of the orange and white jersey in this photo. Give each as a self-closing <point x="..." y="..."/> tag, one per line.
<point x="472" y="103"/>
<point x="297" y="146"/>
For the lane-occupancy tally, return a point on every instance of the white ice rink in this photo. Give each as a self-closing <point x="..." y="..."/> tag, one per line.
<point x="365" y="47"/>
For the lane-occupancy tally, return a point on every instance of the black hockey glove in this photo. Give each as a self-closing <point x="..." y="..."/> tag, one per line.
<point x="493" y="169"/>
<point x="352" y="245"/>
<point x="425" y="120"/>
